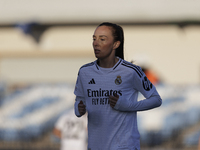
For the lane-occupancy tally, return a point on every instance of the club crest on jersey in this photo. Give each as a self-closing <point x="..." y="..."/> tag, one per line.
<point x="118" y="80"/>
<point x="147" y="85"/>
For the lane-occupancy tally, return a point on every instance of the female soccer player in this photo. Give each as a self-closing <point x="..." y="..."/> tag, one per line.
<point x="108" y="90"/>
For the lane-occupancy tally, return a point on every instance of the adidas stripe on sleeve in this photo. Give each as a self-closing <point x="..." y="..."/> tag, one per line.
<point x="141" y="82"/>
<point x="144" y="86"/>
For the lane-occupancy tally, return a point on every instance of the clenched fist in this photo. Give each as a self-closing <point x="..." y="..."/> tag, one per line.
<point x="113" y="100"/>
<point x="81" y="108"/>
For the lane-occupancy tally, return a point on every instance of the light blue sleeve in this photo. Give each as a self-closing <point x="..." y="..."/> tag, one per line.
<point x="78" y="91"/>
<point x="147" y="89"/>
<point x="143" y="85"/>
<point x="129" y="105"/>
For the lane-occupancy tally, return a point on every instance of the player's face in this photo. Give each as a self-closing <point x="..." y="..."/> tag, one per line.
<point x="103" y="42"/>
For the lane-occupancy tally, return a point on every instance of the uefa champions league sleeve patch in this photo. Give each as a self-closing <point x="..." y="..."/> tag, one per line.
<point x="147" y="85"/>
<point x="118" y="80"/>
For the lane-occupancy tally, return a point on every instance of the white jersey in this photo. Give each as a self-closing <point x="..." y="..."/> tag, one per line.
<point x="108" y="128"/>
<point x="73" y="131"/>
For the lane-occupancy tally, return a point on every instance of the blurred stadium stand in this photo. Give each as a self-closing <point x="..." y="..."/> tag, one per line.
<point x="41" y="39"/>
<point x="166" y="48"/>
<point x="179" y="112"/>
<point x="77" y="12"/>
<point x="31" y="112"/>
<point x="13" y="39"/>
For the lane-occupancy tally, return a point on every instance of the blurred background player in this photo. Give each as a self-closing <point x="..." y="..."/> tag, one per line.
<point x="71" y="131"/>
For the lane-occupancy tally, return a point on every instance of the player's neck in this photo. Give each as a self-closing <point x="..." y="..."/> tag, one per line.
<point x="107" y="63"/>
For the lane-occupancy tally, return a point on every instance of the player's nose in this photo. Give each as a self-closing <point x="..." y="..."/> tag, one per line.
<point x="95" y="43"/>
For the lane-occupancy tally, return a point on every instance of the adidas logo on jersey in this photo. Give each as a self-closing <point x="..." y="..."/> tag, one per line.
<point x="91" y="81"/>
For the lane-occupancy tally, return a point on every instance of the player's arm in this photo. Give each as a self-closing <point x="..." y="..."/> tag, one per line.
<point x="79" y="105"/>
<point x="120" y="104"/>
<point x="149" y="103"/>
<point x="144" y="86"/>
<point x="57" y="132"/>
<point x="199" y="144"/>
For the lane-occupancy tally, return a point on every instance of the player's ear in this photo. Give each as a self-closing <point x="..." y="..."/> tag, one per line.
<point x="116" y="44"/>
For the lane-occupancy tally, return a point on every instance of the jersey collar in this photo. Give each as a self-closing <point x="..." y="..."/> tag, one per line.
<point x="113" y="68"/>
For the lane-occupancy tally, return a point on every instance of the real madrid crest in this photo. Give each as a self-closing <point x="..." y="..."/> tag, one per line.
<point x="118" y="80"/>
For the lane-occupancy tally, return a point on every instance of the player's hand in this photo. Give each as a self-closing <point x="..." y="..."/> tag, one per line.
<point x="81" y="108"/>
<point x="113" y="100"/>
